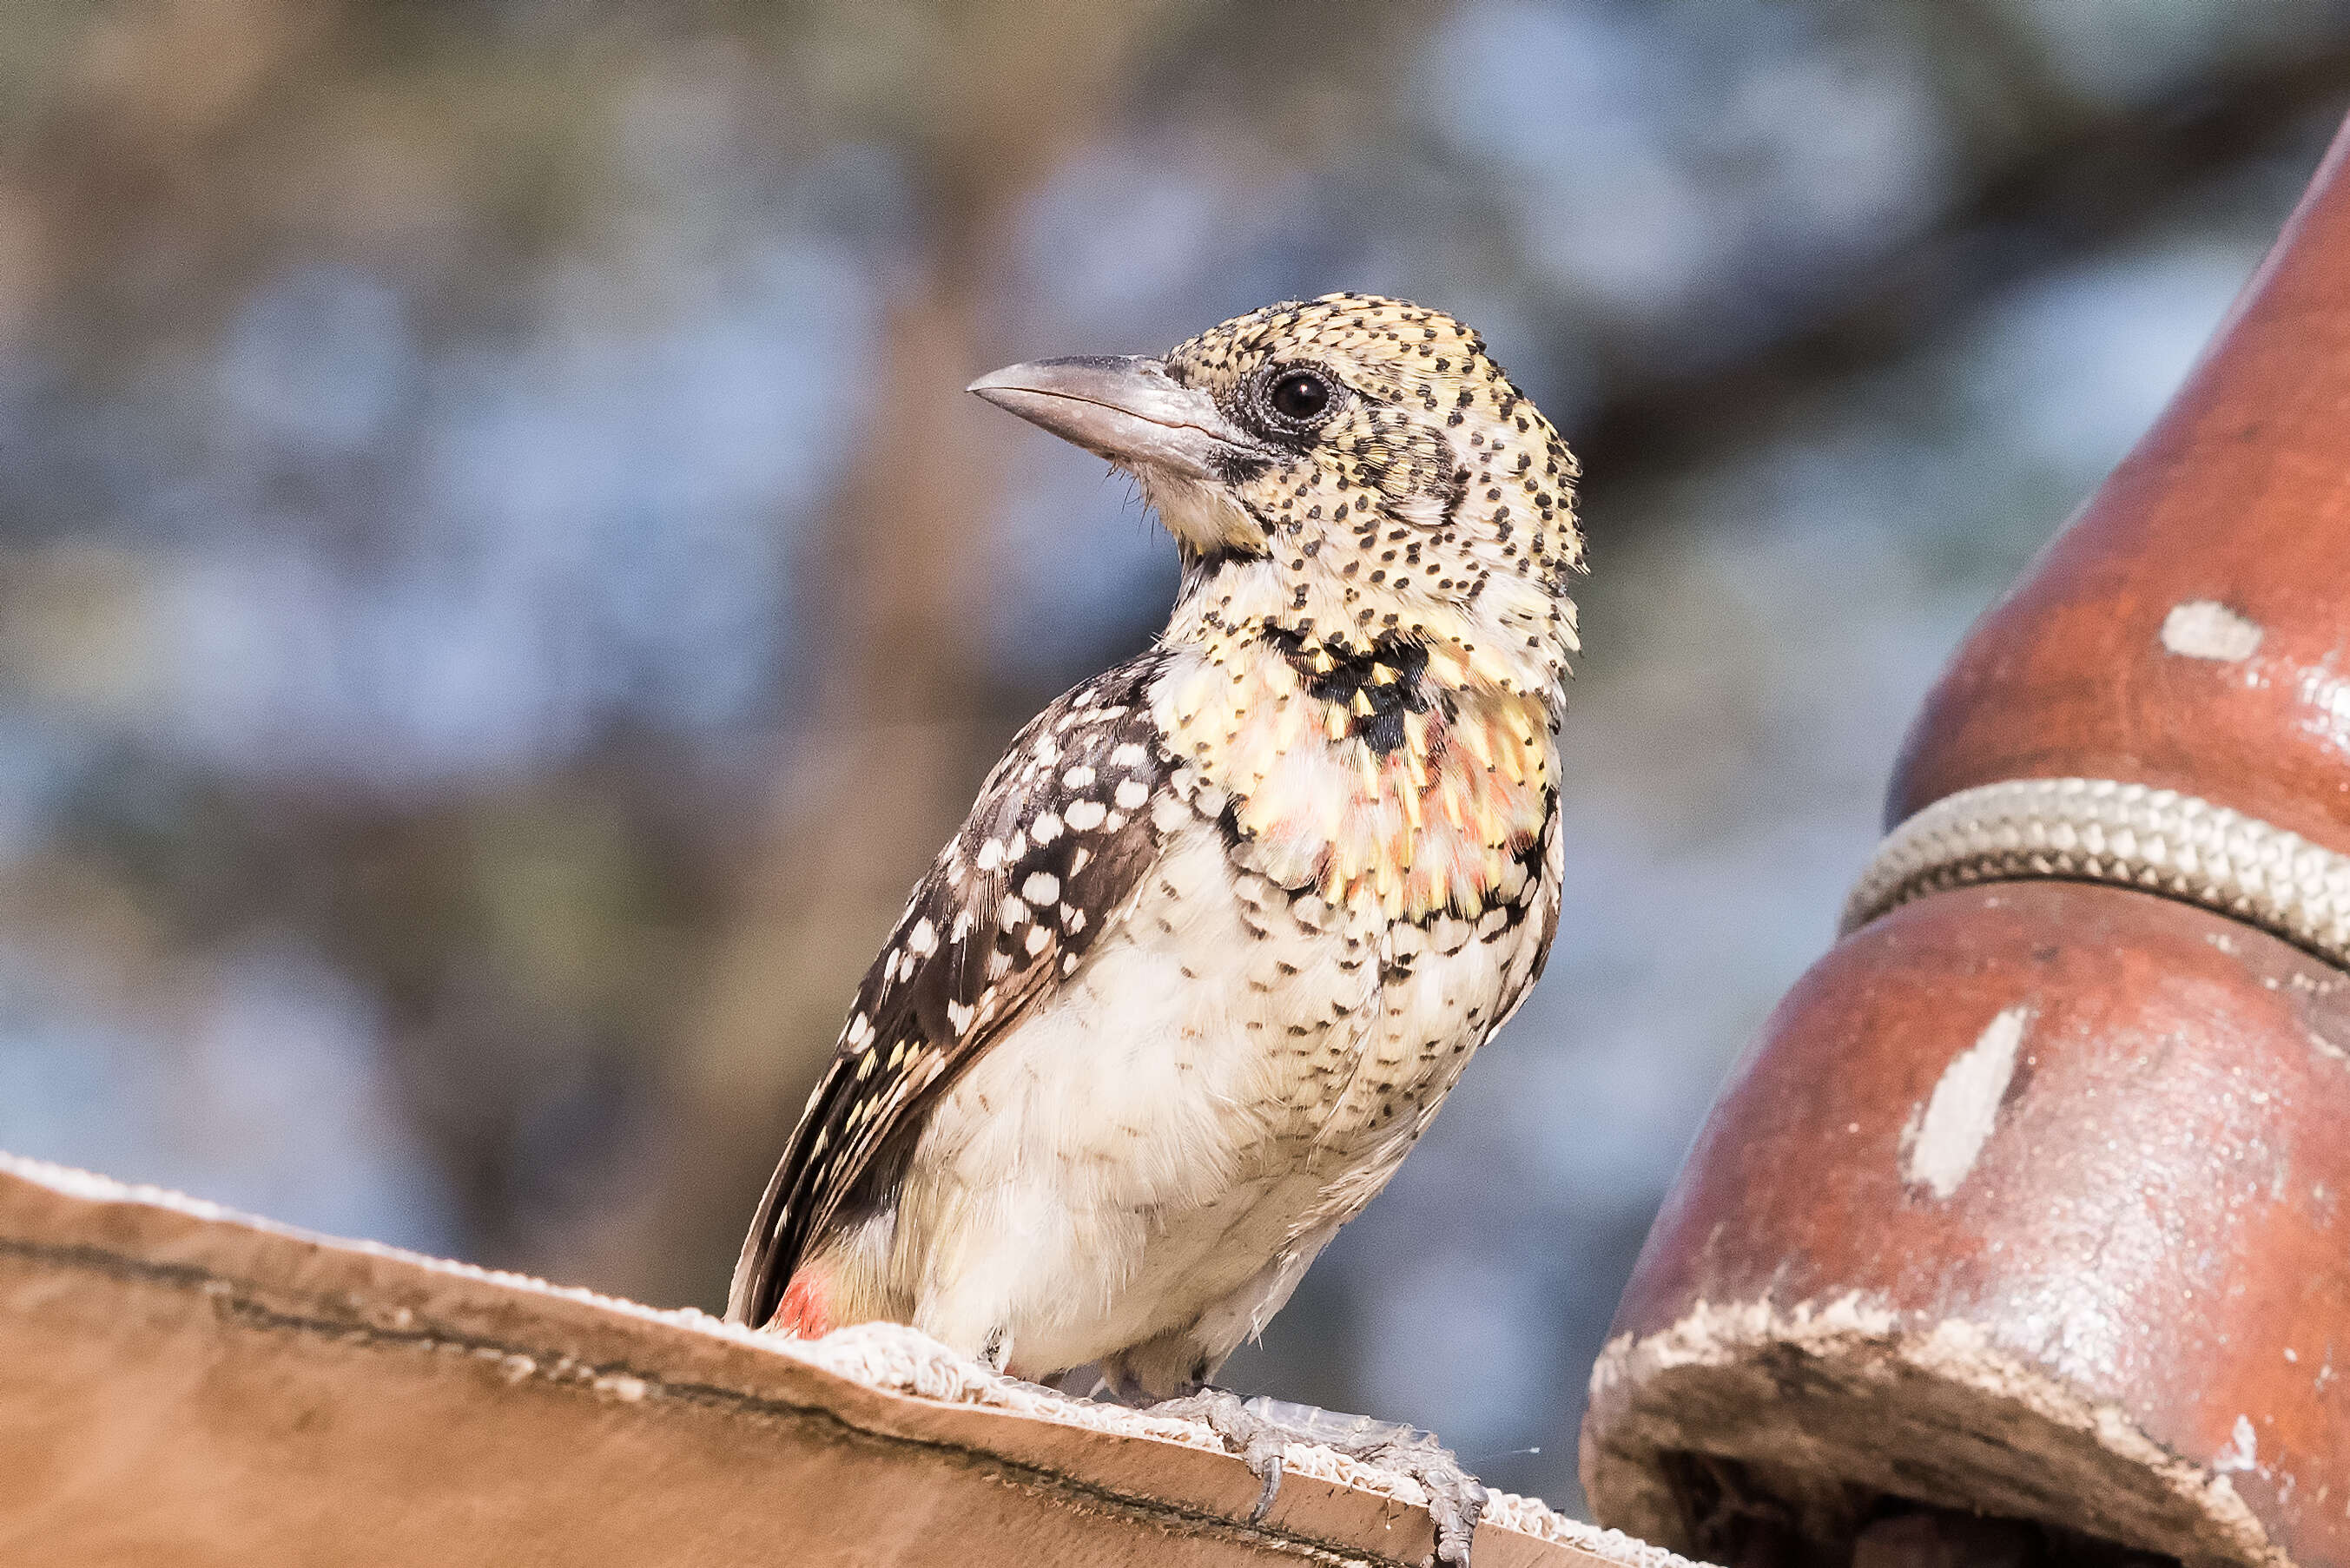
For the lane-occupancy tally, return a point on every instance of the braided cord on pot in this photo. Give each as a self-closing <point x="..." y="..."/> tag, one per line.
<point x="2097" y="830"/>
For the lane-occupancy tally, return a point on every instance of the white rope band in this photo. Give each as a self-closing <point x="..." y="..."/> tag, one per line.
<point x="2096" y="830"/>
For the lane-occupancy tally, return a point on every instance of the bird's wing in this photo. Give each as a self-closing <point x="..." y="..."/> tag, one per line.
<point x="1062" y="833"/>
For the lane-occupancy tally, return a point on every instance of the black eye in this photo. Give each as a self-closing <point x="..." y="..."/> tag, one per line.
<point x="1302" y="396"/>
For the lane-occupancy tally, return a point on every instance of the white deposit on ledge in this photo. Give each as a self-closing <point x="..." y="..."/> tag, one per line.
<point x="181" y="1385"/>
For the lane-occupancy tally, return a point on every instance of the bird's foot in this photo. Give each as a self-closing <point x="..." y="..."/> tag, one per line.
<point x="1455" y="1498"/>
<point x="1256" y="1439"/>
<point x="1257" y="1429"/>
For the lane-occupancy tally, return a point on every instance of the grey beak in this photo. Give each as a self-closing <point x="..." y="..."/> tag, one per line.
<point x="1121" y="406"/>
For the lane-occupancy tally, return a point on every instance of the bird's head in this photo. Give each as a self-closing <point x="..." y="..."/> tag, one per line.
<point x="1349" y="473"/>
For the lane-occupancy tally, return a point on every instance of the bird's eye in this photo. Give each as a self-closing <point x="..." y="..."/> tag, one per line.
<point x="1302" y="396"/>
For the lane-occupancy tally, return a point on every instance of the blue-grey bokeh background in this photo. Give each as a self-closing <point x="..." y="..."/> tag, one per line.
<point x="500" y="595"/>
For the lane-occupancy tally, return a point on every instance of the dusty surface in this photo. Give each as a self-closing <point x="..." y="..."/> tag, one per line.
<point x="1829" y="1409"/>
<point x="179" y="1386"/>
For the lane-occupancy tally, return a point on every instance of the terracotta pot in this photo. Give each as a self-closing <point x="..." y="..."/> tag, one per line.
<point x="2034" y="1199"/>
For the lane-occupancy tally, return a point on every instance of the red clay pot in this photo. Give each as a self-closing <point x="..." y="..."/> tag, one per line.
<point x="2034" y="1199"/>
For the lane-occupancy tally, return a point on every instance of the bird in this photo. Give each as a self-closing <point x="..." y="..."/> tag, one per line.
<point x="1226" y="922"/>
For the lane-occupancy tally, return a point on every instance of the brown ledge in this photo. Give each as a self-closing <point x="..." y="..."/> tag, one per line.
<point x="181" y="1386"/>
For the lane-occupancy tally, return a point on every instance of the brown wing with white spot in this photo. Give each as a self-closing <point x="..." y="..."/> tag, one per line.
<point x="1062" y="833"/>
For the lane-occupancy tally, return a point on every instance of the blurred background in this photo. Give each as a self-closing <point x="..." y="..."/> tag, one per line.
<point x="500" y="592"/>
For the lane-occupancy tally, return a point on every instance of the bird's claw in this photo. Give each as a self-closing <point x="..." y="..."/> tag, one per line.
<point x="1258" y="1429"/>
<point x="1267" y="1468"/>
<point x="1455" y="1498"/>
<point x="1256" y="1440"/>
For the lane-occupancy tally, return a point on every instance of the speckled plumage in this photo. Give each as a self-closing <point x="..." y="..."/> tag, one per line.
<point x="1226" y="922"/>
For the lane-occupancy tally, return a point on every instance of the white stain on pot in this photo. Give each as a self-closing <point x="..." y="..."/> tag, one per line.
<point x="2206" y="628"/>
<point x="2325" y="706"/>
<point x="1946" y="1136"/>
<point x="2243" y="1450"/>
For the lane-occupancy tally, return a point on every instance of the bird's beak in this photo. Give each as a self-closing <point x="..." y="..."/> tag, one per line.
<point x="1124" y="408"/>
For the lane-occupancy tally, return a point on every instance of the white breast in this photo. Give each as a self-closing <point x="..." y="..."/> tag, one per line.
<point x="1162" y="1147"/>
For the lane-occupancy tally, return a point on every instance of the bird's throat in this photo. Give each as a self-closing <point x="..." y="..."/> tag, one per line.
<point x="1398" y="779"/>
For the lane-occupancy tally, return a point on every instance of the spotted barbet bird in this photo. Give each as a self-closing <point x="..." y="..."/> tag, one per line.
<point x="1227" y="921"/>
